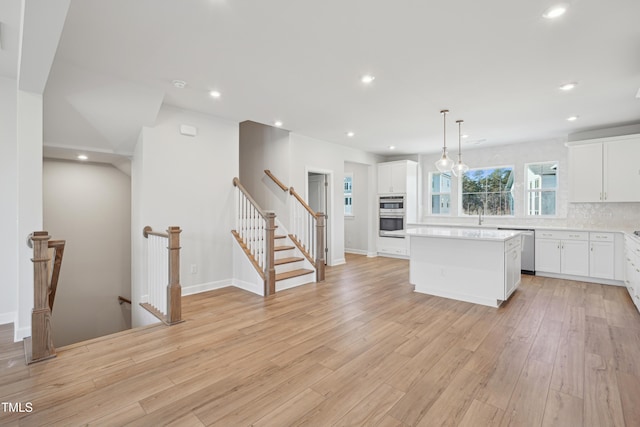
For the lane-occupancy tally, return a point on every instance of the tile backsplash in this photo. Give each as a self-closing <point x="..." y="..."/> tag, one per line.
<point x="622" y="216"/>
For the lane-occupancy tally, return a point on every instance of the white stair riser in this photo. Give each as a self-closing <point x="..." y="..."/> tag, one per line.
<point x="295" y="281"/>
<point x="290" y="266"/>
<point x="285" y="254"/>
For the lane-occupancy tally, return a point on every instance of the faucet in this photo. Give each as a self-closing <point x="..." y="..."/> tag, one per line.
<point x="480" y="213"/>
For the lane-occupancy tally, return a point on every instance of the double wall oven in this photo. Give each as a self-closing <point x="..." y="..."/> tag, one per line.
<point x="392" y="215"/>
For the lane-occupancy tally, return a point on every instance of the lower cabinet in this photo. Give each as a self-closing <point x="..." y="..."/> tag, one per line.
<point x="632" y="270"/>
<point x="393" y="246"/>
<point x="602" y="255"/>
<point x="562" y="252"/>
<point x="512" y="263"/>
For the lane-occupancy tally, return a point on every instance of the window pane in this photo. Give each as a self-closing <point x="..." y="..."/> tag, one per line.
<point x="548" y="203"/>
<point x="542" y="176"/>
<point x="541" y="185"/>
<point x="440" y="203"/>
<point x="488" y="190"/>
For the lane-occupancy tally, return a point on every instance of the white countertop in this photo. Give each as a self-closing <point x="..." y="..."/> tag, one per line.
<point x="463" y="233"/>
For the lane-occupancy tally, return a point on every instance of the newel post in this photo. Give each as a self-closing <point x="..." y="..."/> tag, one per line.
<point x="174" y="290"/>
<point x="40" y="345"/>
<point x="320" y="253"/>
<point x="269" y="267"/>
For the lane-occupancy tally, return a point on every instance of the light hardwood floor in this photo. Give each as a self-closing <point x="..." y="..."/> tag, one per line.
<point x="358" y="349"/>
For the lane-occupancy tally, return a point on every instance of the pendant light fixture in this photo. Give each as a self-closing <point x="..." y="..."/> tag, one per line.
<point x="459" y="168"/>
<point x="445" y="163"/>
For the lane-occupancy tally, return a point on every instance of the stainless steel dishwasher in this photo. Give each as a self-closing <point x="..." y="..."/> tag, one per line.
<point x="528" y="249"/>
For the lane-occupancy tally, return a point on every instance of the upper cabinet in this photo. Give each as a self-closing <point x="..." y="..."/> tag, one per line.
<point x="399" y="177"/>
<point x="605" y="170"/>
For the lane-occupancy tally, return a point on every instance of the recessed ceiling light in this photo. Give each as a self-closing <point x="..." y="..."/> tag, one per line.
<point x="277" y="123"/>
<point x="82" y="157"/>
<point x="555" y="11"/>
<point x="568" y="86"/>
<point x="367" y="78"/>
<point x="180" y="84"/>
<point x="572" y="118"/>
<point x="465" y="136"/>
<point x="350" y="134"/>
<point x="215" y="94"/>
<point x="392" y="147"/>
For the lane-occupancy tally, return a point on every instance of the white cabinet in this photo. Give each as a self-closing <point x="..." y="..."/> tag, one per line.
<point x="512" y="262"/>
<point x="562" y="252"/>
<point x="393" y="246"/>
<point x="397" y="177"/>
<point x="601" y="255"/>
<point x="605" y="170"/>
<point x="632" y="270"/>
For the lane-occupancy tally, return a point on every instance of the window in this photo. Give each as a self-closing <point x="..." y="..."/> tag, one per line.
<point x="348" y="194"/>
<point x="542" y="186"/>
<point x="440" y="193"/>
<point x="489" y="190"/>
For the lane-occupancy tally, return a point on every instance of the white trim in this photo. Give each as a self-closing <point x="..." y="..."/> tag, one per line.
<point x="338" y="262"/>
<point x="205" y="287"/>
<point x="6" y="318"/>
<point x="355" y="251"/>
<point x="21" y="333"/>
<point x="330" y="208"/>
<point x="249" y="287"/>
<point x="372" y="254"/>
<point x="581" y="278"/>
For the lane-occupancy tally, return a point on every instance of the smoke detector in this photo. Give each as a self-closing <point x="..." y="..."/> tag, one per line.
<point x="180" y="84"/>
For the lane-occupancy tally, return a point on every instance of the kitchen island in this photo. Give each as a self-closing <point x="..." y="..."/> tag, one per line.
<point x="467" y="264"/>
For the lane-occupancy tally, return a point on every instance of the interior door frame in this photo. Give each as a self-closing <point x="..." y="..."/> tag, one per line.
<point x="328" y="205"/>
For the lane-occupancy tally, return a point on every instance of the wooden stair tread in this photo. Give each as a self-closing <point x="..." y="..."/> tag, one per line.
<point x="288" y="260"/>
<point x="293" y="273"/>
<point x="283" y="248"/>
<point x="280" y="236"/>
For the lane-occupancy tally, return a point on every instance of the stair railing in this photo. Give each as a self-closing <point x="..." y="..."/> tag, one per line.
<point x="307" y="232"/>
<point x="255" y="232"/>
<point x="164" y="292"/>
<point x="39" y="346"/>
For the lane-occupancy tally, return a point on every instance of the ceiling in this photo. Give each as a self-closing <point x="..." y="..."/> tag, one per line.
<point x="497" y="64"/>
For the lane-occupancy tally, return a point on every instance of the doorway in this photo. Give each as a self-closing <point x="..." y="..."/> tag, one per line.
<point x="319" y="199"/>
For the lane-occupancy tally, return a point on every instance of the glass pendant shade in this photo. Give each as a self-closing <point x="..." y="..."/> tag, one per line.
<point x="445" y="163"/>
<point x="459" y="168"/>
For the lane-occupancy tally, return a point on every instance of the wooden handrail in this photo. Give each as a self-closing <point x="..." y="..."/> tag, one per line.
<point x="276" y="180"/>
<point x="302" y="202"/>
<point x="122" y="300"/>
<point x="58" y="246"/>
<point x="148" y="231"/>
<point x="236" y="182"/>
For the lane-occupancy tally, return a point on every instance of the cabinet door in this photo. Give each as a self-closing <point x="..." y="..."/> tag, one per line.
<point x="512" y="261"/>
<point x="548" y="255"/>
<point x="585" y="173"/>
<point x="601" y="260"/>
<point x="622" y="171"/>
<point x="575" y="257"/>
<point x="399" y="177"/>
<point x="384" y="179"/>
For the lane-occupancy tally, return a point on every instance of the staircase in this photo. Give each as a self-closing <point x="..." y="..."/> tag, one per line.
<point x="270" y="259"/>
<point x="292" y="269"/>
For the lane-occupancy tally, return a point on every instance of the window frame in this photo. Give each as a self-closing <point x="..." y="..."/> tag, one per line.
<point x="431" y="193"/>
<point x="528" y="191"/>
<point x="347" y="194"/>
<point x="461" y="212"/>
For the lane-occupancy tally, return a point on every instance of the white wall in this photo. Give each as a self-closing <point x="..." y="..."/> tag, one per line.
<point x="356" y="227"/>
<point x="265" y="147"/>
<point x="315" y="155"/>
<point x="29" y="137"/>
<point x="8" y="201"/>
<point x="89" y="206"/>
<point x="187" y="182"/>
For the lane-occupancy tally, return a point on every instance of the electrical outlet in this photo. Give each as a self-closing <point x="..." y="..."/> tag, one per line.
<point x="194" y="268"/>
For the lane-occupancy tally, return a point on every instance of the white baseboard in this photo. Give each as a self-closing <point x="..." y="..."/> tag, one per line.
<point x="7" y="318"/>
<point x="372" y="254"/>
<point x="250" y="287"/>
<point x="338" y="262"/>
<point x="355" y="251"/>
<point x="204" y="287"/>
